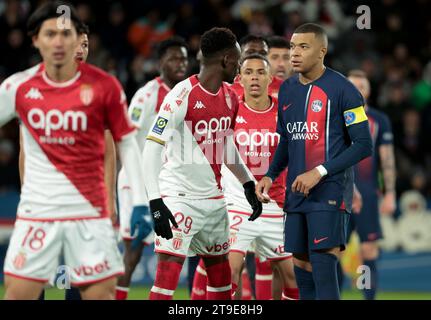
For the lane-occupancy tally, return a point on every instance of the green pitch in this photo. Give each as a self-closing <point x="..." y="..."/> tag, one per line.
<point x="141" y="293"/>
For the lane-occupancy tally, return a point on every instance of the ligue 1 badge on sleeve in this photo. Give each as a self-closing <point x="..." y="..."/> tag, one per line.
<point x="316" y="105"/>
<point x="86" y="94"/>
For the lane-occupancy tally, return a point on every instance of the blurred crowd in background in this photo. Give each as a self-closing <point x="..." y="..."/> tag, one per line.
<point x="395" y="54"/>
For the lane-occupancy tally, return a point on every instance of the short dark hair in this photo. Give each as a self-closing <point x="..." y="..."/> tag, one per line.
<point x="216" y="40"/>
<point x="254" y="56"/>
<point x="251" y="38"/>
<point x="278" y="42"/>
<point x="313" y="28"/>
<point x="83" y="29"/>
<point x="48" y="11"/>
<point x="169" y="43"/>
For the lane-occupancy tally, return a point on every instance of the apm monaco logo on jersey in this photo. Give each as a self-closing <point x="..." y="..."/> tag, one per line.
<point x="55" y="120"/>
<point x="316" y="105"/>
<point x="34" y="94"/>
<point x="86" y="94"/>
<point x="256" y="139"/>
<point x="208" y="128"/>
<point x="303" y="131"/>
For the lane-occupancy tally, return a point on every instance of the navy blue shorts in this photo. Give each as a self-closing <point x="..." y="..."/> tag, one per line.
<point x="367" y="222"/>
<point x="315" y="230"/>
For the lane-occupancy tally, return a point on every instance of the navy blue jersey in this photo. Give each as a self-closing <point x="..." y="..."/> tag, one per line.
<point x="317" y="123"/>
<point x="366" y="171"/>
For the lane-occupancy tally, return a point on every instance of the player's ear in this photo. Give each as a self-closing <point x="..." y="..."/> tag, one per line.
<point x="224" y="61"/>
<point x="323" y="51"/>
<point x="35" y="42"/>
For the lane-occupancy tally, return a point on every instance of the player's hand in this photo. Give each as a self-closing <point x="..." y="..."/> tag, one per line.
<point x="262" y="189"/>
<point x="388" y="204"/>
<point x="140" y="221"/>
<point x="306" y="181"/>
<point x="356" y="201"/>
<point x="250" y="194"/>
<point x="161" y="216"/>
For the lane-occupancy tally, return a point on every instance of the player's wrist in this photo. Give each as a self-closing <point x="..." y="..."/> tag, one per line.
<point x="322" y="170"/>
<point x="268" y="177"/>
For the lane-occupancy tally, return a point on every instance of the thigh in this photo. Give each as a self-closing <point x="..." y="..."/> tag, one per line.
<point x="190" y="218"/>
<point x="34" y="250"/>
<point x="270" y="243"/>
<point x="295" y="233"/>
<point x="213" y="238"/>
<point x="91" y="251"/>
<point x="368" y="221"/>
<point x="242" y="231"/>
<point x="327" y="229"/>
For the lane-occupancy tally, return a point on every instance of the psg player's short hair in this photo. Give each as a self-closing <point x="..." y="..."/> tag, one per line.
<point x="169" y="43"/>
<point x="278" y="42"/>
<point x="255" y="56"/>
<point x="216" y="40"/>
<point x="51" y="10"/>
<point x="313" y="28"/>
<point x="252" y="38"/>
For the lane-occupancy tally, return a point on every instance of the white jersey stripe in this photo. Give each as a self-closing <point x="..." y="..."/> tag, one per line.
<point x="219" y="289"/>
<point x="166" y="292"/>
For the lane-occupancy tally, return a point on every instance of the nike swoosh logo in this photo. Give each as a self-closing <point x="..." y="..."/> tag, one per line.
<point x="320" y="240"/>
<point x="285" y="107"/>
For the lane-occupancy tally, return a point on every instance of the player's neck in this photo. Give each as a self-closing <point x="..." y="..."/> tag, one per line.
<point x="210" y="80"/>
<point x="168" y="82"/>
<point x="61" y="74"/>
<point x="312" y="75"/>
<point x="257" y="103"/>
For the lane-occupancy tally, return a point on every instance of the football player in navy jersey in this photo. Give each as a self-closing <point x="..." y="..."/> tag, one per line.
<point x="324" y="132"/>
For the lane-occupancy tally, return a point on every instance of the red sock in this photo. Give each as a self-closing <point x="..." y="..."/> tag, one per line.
<point x="121" y="293"/>
<point x="233" y="290"/>
<point x="263" y="280"/>
<point x="290" y="294"/>
<point x="219" y="281"/>
<point x="167" y="276"/>
<point x="246" y="286"/>
<point x="199" y="290"/>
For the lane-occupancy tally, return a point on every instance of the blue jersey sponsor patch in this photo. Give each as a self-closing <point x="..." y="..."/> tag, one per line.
<point x="160" y="125"/>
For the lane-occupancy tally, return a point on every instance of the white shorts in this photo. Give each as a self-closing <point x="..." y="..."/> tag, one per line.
<point x="266" y="233"/>
<point x="203" y="228"/>
<point x="88" y="247"/>
<point x="125" y="209"/>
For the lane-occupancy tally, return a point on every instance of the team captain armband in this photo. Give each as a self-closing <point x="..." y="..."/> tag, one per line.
<point x="159" y="141"/>
<point x="354" y="116"/>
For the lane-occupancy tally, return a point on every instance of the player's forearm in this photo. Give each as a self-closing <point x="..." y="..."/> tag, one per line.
<point x="360" y="148"/>
<point x="280" y="160"/>
<point x="152" y="162"/>
<point x="110" y="169"/>
<point x="387" y="160"/>
<point x="233" y="161"/>
<point x="132" y="162"/>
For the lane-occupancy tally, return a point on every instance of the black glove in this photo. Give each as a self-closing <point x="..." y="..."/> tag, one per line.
<point x="162" y="215"/>
<point x="250" y="194"/>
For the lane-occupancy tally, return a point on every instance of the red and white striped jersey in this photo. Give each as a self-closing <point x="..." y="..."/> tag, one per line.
<point x="193" y="124"/>
<point x="256" y="139"/>
<point x="63" y="128"/>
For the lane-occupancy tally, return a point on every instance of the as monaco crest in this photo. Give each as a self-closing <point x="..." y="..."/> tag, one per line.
<point x="177" y="242"/>
<point x="19" y="260"/>
<point x="228" y="100"/>
<point x="86" y="94"/>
